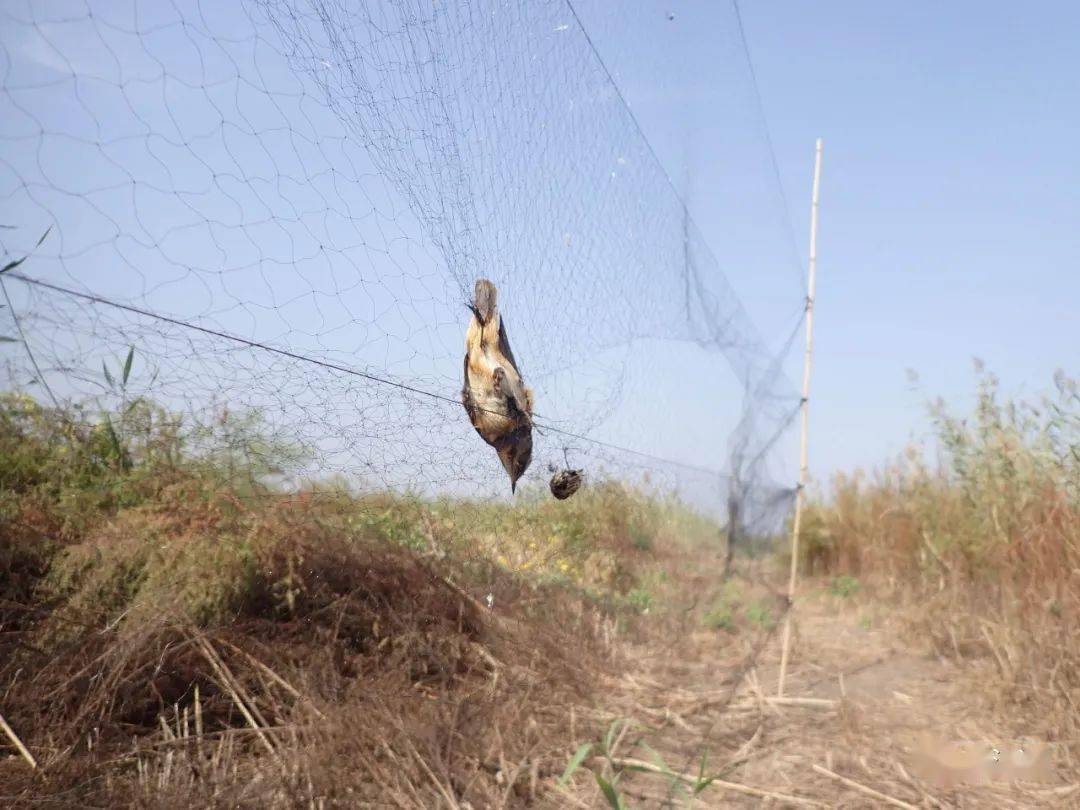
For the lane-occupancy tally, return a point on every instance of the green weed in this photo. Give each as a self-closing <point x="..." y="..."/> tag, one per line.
<point x="844" y="586"/>
<point x="760" y="615"/>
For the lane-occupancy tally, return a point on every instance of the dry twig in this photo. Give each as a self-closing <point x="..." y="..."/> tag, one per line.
<point x="233" y="689"/>
<point x="851" y="783"/>
<point x="11" y="735"/>
<point x="639" y="764"/>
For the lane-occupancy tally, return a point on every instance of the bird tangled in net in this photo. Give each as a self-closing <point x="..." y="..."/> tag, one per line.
<point x="494" y="395"/>
<point x="565" y="483"/>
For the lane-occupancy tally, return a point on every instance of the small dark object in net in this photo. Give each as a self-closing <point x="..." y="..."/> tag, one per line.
<point x="565" y="483"/>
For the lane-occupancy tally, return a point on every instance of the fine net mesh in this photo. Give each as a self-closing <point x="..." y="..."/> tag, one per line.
<point x="283" y="206"/>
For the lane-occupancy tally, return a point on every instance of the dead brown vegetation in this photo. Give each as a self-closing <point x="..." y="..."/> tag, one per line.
<point x="983" y="550"/>
<point x="189" y="643"/>
<point x="325" y="668"/>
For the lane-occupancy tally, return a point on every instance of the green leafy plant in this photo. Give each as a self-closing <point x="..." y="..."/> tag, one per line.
<point x="640" y="599"/>
<point x="844" y="586"/>
<point x="759" y="614"/>
<point x="719" y="617"/>
<point x="11" y="266"/>
<point x="16" y="262"/>
<point x="613" y="767"/>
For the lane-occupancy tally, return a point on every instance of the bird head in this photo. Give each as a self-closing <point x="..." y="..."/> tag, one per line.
<point x="516" y="455"/>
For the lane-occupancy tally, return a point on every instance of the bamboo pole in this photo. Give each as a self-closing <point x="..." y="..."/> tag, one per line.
<point x="800" y="493"/>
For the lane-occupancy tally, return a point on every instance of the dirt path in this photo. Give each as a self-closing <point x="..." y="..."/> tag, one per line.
<point x="862" y="696"/>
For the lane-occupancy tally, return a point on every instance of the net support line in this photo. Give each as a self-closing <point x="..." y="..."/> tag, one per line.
<point x="331" y="366"/>
<point x="688" y="218"/>
<point x="789" y="228"/>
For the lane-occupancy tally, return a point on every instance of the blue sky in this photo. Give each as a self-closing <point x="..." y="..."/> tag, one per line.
<point x="950" y="219"/>
<point x="334" y="187"/>
<point x="198" y="171"/>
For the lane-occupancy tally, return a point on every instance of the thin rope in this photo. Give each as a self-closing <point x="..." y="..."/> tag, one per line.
<point x="146" y="313"/>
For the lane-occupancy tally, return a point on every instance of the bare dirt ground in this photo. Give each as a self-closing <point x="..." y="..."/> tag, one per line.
<point x="859" y="694"/>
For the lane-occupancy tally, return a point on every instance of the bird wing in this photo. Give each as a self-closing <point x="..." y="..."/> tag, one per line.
<point x="504" y="347"/>
<point x="466" y="393"/>
<point x="516" y="391"/>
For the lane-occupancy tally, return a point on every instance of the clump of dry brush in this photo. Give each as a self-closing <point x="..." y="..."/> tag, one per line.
<point x="175" y="634"/>
<point x="987" y="540"/>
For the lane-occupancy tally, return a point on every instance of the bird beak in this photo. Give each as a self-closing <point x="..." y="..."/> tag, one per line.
<point x="513" y="487"/>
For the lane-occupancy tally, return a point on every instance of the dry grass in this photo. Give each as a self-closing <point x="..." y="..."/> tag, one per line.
<point x="335" y="667"/>
<point x="175" y="634"/>
<point x="983" y="549"/>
